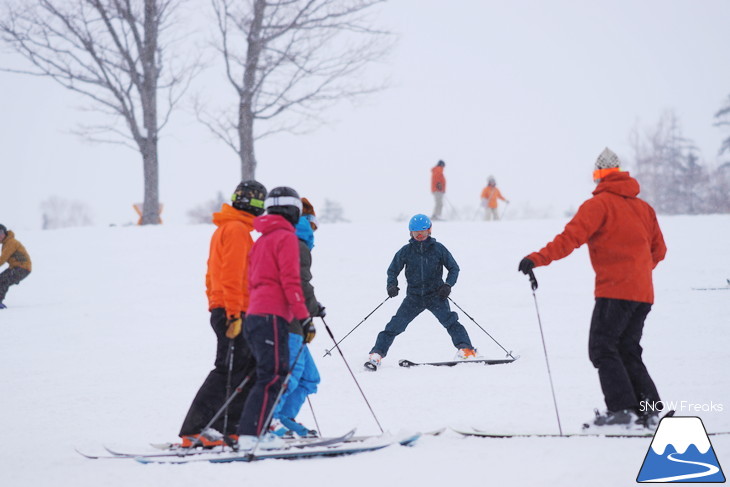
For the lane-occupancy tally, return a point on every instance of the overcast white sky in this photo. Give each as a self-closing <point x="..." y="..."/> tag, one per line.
<point x="529" y="91"/>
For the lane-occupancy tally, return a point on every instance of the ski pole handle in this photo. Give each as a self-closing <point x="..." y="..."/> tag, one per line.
<point x="533" y="280"/>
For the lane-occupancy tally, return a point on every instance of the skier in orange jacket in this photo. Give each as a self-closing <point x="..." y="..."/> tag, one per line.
<point x="625" y="244"/>
<point x="438" y="188"/>
<point x="226" y="285"/>
<point x="490" y="195"/>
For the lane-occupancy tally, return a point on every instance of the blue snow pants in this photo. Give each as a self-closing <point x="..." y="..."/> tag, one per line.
<point x="268" y="338"/>
<point x="302" y="382"/>
<point x="413" y="306"/>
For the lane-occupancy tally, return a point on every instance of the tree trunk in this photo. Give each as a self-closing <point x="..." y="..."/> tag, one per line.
<point x="245" y="109"/>
<point x="151" y="205"/>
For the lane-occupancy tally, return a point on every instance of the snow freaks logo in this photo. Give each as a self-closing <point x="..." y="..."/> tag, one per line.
<point x="681" y="452"/>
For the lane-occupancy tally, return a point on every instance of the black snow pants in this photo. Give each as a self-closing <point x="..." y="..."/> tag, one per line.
<point x="212" y="394"/>
<point x="614" y="349"/>
<point x="10" y="276"/>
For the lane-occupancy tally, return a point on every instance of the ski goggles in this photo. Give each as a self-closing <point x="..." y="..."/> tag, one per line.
<point x="602" y="173"/>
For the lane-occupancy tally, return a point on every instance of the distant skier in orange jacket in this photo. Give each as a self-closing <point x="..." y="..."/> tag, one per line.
<point x="438" y="188"/>
<point x="490" y="195"/>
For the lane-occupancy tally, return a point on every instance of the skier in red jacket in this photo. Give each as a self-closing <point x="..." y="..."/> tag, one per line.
<point x="625" y="244"/>
<point x="276" y="298"/>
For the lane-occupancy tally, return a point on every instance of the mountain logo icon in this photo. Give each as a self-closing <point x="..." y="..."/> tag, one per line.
<point x="681" y="452"/>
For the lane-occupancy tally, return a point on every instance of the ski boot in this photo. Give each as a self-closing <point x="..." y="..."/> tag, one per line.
<point x="617" y="421"/>
<point x="298" y="428"/>
<point x="209" y="438"/>
<point x="373" y="362"/>
<point x="466" y="354"/>
<point x="279" y="429"/>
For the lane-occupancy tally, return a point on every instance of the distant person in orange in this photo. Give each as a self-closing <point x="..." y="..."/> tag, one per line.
<point x="438" y="188"/>
<point x="490" y="195"/>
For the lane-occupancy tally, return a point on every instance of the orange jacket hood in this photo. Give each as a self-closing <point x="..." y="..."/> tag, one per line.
<point x="620" y="183"/>
<point x="229" y="214"/>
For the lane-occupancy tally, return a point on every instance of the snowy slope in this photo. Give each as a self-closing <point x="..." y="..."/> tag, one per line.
<point x="108" y="340"/>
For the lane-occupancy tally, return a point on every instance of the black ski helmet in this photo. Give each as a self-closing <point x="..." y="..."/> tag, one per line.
<point x="249" y="197"/>
<point x="284" y="201"/>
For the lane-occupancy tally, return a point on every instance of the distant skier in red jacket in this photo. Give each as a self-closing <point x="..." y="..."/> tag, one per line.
<point x="276" y="298"/>
<point x="625" y="244"/>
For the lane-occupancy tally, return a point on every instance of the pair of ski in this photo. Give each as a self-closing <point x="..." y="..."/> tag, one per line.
<point x="585" y="434"/>
<point x="450" y="363"/>
<point x="346" y="444"/>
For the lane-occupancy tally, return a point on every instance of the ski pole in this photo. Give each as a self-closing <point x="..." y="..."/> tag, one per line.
<point x="328" y="352"/>
<point x="353" y="375"/>
<point x="509" y="354"/>
<point x="314" y="416"/>
<point x="533" y="284"/>
<point x="454" y="211"/>
<point x="506" y="204"/>
<point x="265" y="425"/>
<point x="231" y="348"/>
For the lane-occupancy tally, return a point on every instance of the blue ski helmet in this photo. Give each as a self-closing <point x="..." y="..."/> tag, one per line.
<point x="419" y="222"/>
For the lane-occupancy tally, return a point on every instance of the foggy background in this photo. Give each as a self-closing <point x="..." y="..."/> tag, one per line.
<point x="528" y="91"/>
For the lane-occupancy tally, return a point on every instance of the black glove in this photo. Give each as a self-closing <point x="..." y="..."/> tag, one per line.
<point x="309" y="330"/>
<point x="393" y="291"/>
<point x="444" y="291"/>
<point x="439" y="187"/>
<point x="321" y="313"/>
<point x="525" y="266"/>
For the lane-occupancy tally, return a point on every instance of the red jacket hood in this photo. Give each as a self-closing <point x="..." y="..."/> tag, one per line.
<point x="620" y="183"/>
<point x="268" y="223"/>
<point x="229" y="214"/>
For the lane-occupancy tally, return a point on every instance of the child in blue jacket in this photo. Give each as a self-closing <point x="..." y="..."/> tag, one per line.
<point x="424" y="259"/>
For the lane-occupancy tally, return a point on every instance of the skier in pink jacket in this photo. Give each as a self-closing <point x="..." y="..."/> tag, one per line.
<point x="276" y="298"/>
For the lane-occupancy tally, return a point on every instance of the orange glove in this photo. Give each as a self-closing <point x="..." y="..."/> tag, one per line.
<point x="234" y="326"/>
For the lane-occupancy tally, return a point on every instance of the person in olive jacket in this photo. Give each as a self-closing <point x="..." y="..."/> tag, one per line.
<point x="18" y="260"/>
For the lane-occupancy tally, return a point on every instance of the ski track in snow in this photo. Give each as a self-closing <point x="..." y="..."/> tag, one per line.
<point x="108" y="340"/>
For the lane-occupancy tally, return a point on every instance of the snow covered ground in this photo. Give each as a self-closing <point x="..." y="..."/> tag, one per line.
<point x="108" y="340"/>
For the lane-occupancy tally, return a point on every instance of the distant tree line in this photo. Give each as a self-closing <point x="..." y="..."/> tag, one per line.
<point x="673" y="178"/>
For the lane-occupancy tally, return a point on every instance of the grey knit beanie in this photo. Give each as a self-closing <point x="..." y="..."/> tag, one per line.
<point x="607" y="159"/>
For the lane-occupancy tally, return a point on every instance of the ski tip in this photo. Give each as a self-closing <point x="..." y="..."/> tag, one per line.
<point x="409" y="439"/>
<point x="86" y="455"/>
<point x="406" y="363"/>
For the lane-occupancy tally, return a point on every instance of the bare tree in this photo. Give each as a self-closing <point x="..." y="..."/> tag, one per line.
<point x="672" y="177"/>
<point x="292" y="57"/>
<point x="203" y="213"/>
<point x="113" y="52"/>
<point x="62" y="213"/>
<point x="722" y="119"/>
